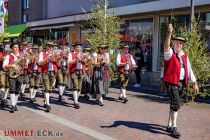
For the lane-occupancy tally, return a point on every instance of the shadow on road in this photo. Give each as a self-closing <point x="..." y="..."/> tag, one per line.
<point x="152" y="128"/>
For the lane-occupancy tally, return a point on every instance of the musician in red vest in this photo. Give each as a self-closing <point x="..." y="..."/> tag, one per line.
<point x="126" y="64"/>
<point x="49" y="69"/>
<point x="25" y="48"/>
<point x="77" y="69"/>
<point x="10" y="63"/>
<point x="34" y="72"/>
<point x="62" y="69"/>
<point x="177" y="74"/>
<point x="4" y="83"/>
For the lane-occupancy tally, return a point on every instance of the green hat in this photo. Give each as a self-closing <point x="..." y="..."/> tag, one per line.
<point x="179" y="37"/>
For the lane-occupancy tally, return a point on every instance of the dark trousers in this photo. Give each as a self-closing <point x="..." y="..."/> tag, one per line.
<point x="15" y="85"/>
<point x="174" y="93"/>
<point x="138" y="75"/>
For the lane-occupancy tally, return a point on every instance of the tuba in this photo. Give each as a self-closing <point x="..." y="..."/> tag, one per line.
<point x="15" y="72"/>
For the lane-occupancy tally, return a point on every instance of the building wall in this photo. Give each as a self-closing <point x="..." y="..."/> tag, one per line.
<point x="15" y="12"/>
<point x="37" y="10"/>
<point x="56" y="8"/>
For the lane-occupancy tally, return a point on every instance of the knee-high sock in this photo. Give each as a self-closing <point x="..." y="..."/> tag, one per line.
<point x="124" y="93"/>
<point x="12" y="98"/>
<point x="54" y="83"/>
<point x="23" y="88"/>
<point x="2" y="93"/>
<point x="6" y="93"/>
<point x="75" y="96"/>
<point x="174" y="118"/>
<point x="47" y="98"/>
<point x="78" y="94"/>
<point x="16" y="98"/>
<point x="31" y="90"/>
<point x="60" y="88"/>
<point x="63" y="88"/>
<point x="34" y="93"/>
<point x="169" y="119"/>
<point x="121" y="95"/>
<point x="101" y="99"/>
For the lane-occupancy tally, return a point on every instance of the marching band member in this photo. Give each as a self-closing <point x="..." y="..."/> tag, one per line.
<point x="99" y="74"/>
<point x="34" y="72"/>
<point x="86" y="85"/>
<point x="77" y="70"/>
<point x="125" y="63"/>
<point x="62" y="70"/>
<point x="12" y="62"/>
<point x="4" y="83"/>
<point x="24" y="48"/>
<point x="49" y="69"/>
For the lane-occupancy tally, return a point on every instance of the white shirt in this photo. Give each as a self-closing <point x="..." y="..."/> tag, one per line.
<point x="118" y="61"/>
<point x="6" y="60"/>
<point x="191" y="76"/>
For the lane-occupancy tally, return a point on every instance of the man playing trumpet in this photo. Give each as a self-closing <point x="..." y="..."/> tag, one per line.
<point x="62" y="70"/>
<point x="126" y="64"/>
<point x="34" y="72"/>
<point x="77" y="70"/>
<point x="49" y="70"/>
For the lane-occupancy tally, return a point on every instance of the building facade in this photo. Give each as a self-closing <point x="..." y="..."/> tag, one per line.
<point x="144" y="26"/>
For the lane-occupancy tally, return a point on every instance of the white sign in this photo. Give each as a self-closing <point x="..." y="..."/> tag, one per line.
<point x="1" y="24"/>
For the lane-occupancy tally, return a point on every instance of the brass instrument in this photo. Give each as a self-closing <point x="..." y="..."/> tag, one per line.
<point x="128" y="61"/>
<point x="14" y="72"/>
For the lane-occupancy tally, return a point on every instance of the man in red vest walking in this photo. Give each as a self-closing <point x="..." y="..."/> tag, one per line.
<point x="125" y="63"/>
<point x="177" y="74"/>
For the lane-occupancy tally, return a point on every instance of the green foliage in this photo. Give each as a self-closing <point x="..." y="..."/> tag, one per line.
<point x="106" y="27"/>
<point x="196" y="48"/>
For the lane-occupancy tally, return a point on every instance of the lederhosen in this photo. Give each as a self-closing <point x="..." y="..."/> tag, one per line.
<point x="77" y="74"/>
<point x="48" y="76"/>
<point x="34" y="73"/>
<point x="62" y="70"/>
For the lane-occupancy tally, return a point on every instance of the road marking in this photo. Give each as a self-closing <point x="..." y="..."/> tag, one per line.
<point x="72" y="125"/>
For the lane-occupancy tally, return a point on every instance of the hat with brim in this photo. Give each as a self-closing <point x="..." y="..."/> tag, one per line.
<point x="180" y="38"/>
<point x="74" y="44"/>
<point x="125" y="46"/>
<point x="51" y="44"/>
<point x="87" y="48"/>
<point x="35" y="47"/>
<point x="24" y="43"/>
<point x="6" y="41"/>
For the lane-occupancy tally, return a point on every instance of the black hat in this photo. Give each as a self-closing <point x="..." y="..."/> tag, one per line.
<point x="77" y="43"/>
<point x="15" y="43"/>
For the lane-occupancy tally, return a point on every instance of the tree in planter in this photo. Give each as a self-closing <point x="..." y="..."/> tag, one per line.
<point x="106" y="28"/>
<point x="196" y="48"/>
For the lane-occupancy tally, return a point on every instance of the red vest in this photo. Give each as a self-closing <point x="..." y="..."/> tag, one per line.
<point x="172" y="69"/>
<point x="45" y="66"/>
<point x="121" y="69"/>
<point x="31" y="66"/>
<point x="11" y="61"/>
<point x="73" y="66"/>
<point x="1" y="62"/>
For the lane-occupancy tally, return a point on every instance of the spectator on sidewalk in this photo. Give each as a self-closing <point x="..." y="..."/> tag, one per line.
<point x="139" y="59"/>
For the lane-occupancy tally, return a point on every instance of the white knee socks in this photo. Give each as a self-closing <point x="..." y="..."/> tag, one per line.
<point x="47" y="98"/>
<point x="13" y="98"/>
<point x="75" y="96"/>
<point x="174" y="118"/>
<point x="124" y="93"/>
<point x="23" y="86"/>
<point x="169" y="119"/>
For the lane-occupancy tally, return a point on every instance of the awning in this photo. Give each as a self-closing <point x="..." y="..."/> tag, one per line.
<point x="15" y="30"/>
